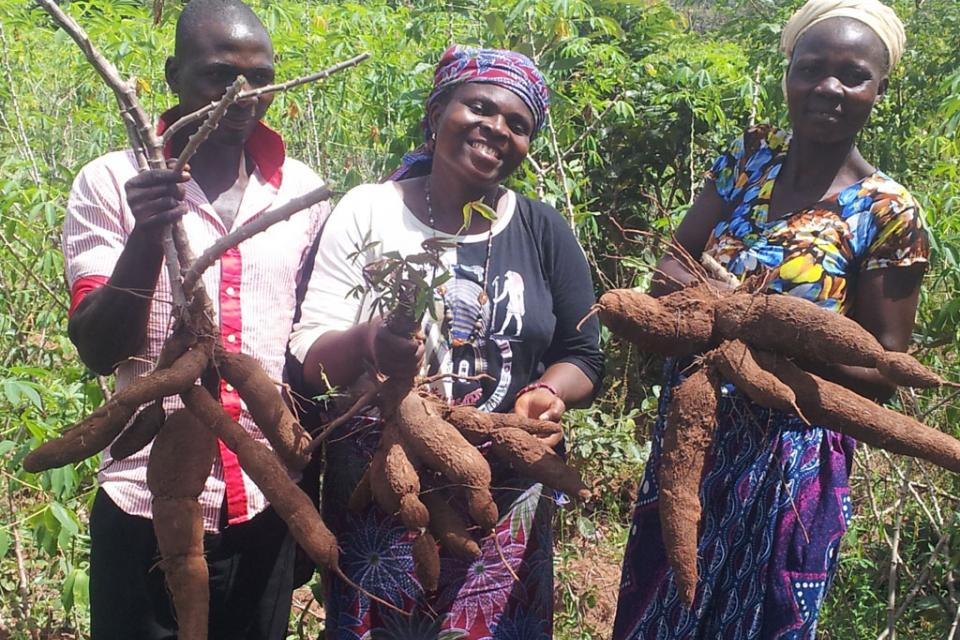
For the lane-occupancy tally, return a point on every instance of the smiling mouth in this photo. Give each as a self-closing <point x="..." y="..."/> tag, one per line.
<point x="817" y="113"/>
<point x="486" y="149"/>
<point x="237" y="118"/>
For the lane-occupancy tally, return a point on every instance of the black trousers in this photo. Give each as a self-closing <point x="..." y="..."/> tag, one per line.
<point x="251" y="578"/>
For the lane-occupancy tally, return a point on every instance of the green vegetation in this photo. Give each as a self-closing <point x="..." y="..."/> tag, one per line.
<point x="645" y="95"/>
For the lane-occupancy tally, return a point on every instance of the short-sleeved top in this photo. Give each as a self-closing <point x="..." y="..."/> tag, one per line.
<point x="815" y="252"/>
<point x="538" y="287"/>
<point x="252" y="287"/>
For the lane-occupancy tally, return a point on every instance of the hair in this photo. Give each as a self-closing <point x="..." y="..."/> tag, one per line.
<point x="199" y="13"/>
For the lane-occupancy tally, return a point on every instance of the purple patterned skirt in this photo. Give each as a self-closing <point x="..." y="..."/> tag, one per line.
<point x="775" y="504"/>
<point x="505" y="594"/>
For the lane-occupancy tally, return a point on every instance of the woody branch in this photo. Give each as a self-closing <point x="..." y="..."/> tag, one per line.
<point x="273" y="88"/>
<point x="140" y="131"/>
<point x="250" y="229"/>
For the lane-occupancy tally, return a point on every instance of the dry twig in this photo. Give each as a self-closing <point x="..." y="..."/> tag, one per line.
<point x="717" y="270"/>
<point x="23" y="581"/>
<point x="895" y="556"/>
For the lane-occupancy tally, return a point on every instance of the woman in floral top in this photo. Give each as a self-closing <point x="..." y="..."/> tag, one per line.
<point x="807" y="212"/>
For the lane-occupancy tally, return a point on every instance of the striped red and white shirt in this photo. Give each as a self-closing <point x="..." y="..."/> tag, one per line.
<point x="253" y="288"/>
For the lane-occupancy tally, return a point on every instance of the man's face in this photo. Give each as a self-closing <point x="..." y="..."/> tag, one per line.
<point x="207" y="65"/>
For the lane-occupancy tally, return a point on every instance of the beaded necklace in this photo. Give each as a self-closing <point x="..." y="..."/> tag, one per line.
<point x="442" y="290"/>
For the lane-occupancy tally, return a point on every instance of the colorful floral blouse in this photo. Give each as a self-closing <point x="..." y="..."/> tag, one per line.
<point x="816" y="252"/>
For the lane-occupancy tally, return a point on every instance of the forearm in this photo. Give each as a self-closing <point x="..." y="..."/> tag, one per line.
<point x="110" y="324"/>
<point x="571" y="383"/>
<point x="865" y="381"/>
<point x="337" y="358"/>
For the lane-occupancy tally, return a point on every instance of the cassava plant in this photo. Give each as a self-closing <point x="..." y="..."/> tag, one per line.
<point x="184" y="443"/>
<point x="428" y="451"/>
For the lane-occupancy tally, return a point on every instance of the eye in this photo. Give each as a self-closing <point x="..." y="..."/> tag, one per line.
<point x="261" y="77"/>
<point x="520" y="127"/>
<point x="476" y="107"/>
<point x="221" y="75"/>
<point x="855" y="77"/>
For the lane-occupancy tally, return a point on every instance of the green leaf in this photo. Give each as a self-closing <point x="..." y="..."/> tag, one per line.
<point x="67" y="590"/>
<point x="5" y="539"/>
<point x="68" y="521"/>
<point x="31" y="393"/>
<point x="478" y="206"/>
<point x="12" y="391"/>
<point x="318" y="590"/>
<point x="440" y="279"/>
<point x="81" y="589"/>
<point x="586" y="528"/>
<point x="5" y="447"/>
<point x="16" y="391"/>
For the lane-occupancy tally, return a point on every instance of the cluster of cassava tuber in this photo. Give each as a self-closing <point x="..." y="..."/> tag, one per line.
<point x="428" y="456"/>
<point x="184" y="447"/>
<point x="756" y="342"/>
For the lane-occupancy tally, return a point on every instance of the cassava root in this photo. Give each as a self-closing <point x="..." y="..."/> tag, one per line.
<point x="750" y="340"/>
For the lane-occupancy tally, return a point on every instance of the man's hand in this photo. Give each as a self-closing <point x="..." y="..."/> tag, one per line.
<point x="393" y="355"/>
<point x="156" y="199"/>
<point x="110" y="325"/>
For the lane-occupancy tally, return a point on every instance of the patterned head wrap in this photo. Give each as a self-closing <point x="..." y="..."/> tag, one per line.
<point x="879" y="17"/>
<point x="460" y="64"/>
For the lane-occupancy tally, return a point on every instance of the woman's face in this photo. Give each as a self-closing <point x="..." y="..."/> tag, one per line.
<point x="837" y="72"/>
<point x="483" y="133"/>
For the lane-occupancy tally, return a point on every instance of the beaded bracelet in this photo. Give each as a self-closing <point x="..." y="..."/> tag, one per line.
<point x="537" y="385"/>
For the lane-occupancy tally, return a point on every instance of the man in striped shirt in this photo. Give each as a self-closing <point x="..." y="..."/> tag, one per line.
<point x="120" y="316"/>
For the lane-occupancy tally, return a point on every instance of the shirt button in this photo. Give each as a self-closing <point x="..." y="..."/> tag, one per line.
<point x="231" y="291"/>
<point x="229" y="387"/>
<point x="232" y="338"/>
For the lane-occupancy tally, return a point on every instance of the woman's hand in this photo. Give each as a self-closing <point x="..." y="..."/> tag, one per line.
<point x="540" y="404"/>
<point x="392" y="354"/>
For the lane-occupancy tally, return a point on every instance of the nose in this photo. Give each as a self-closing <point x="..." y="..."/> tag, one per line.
<point x="248" y="102"/>
<point x="247" y="85"/>
<point x="496" y="124"/>
<point x="829" y="86"/>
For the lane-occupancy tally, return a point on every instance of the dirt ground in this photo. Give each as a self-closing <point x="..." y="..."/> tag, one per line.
<point x="587" y="583"/>
<point x="308" y="615"/>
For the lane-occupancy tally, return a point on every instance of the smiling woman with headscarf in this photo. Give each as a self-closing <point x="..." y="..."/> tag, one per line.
<point x="808" y="215"/>
<point x="506" y="324"/>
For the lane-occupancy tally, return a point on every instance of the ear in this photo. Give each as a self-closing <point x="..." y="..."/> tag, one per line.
<point x="435" y="112"/>
<point x="171" y="69"/>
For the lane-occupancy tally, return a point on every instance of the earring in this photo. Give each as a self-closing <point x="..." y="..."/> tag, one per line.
<point x="433" y="136"/>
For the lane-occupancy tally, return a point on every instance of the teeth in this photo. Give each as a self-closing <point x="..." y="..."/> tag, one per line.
<point x="486" y="149"/>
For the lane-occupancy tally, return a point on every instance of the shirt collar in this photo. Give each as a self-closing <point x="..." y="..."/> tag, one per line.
<point x="265" y="147"/>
